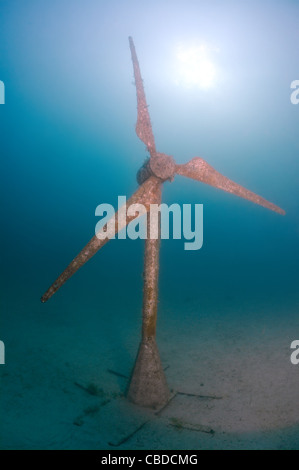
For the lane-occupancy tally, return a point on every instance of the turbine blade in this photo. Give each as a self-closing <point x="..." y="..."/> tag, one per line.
<point x="198" y="169"/>
<point x="148" y="193"/>
<point x="143" y="125"/>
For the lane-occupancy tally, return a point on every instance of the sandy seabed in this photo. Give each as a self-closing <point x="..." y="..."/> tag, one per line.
<point x="230" y="364"/>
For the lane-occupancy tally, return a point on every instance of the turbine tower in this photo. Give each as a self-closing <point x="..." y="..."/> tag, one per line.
<point x="147" y="386"/>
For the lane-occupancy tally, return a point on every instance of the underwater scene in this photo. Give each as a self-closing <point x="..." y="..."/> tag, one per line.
<point x="126" y="324"/>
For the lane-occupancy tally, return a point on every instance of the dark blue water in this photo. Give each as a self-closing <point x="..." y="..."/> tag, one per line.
<point x="68" y="143"/>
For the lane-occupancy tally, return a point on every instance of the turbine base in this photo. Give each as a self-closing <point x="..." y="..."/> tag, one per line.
<point x="148" y="386"/>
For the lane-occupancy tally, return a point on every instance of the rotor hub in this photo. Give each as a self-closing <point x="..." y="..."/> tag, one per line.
<point x="160" y="165"/>
<point x="163" y="166"/>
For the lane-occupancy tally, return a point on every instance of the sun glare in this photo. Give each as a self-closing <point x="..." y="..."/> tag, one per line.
<point x="195" y="67"/>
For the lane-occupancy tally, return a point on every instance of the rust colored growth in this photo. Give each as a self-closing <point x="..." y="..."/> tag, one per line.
<point x="148" y="193"/>
<point x="198" y="169"/>
<point x="150" y="277"/>
<point x="150" y="301"/>
<point x="143" y="125"/>
<point x="163" y="166"/>
<point x="160" y="165"/>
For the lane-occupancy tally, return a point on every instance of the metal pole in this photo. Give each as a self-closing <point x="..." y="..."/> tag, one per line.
<point x="148" y="386"/>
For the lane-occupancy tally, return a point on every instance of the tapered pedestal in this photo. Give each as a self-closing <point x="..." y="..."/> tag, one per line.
<point x="148" y="386"/>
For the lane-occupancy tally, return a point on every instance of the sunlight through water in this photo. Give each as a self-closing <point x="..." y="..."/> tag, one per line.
<point x="195" y="66"/>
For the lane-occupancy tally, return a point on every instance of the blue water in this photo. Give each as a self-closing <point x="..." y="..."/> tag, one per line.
<point x="68" y="143"/>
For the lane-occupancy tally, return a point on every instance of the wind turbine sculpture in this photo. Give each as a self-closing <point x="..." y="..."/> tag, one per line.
<point x="147" y="386"/>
